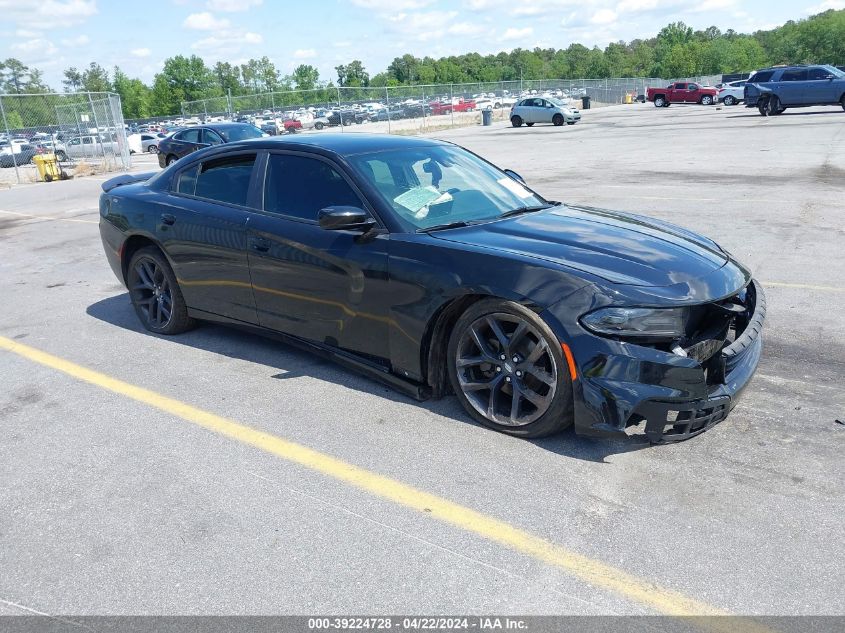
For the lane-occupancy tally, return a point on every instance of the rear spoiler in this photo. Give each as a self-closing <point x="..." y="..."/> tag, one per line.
<point x="127" y="179"/>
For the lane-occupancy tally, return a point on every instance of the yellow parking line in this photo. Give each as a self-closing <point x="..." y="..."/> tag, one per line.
<point x="594" y="572"/>
<point x="783" y="284"/>
<point x="49" y="217"/>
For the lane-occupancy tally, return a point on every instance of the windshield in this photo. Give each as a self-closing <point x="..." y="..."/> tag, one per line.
<point x="833" y="70"/>
<point x="556" y="102"/>
<point x="441" y="184"/>
<point x="240" y="133"/>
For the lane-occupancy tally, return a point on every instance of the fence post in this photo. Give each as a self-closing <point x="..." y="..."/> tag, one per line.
<point x="339" y="110"/>
<point x="97" y="133"/>
<point x="452" y="103"/>
<point x="11" y="145"/>
<point x="387" y="100"/>
<point x="229" y="110"/>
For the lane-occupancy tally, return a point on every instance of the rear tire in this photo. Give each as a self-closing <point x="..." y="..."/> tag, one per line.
<point x="155" y="293"/>
<point x="557" y="119"/>
<point x="842" y="102"/>
<point x="170" y="160"/>
<point x="729" y="100"/>
<point x="516" y="120"/>
<point x="527" y="397"/>
<point x="774" y="106"/>
<point x="659" y="102"/>
<point x="61" y="156"/>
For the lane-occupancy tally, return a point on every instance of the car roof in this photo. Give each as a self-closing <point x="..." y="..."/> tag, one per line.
<point x="343" y="144"/>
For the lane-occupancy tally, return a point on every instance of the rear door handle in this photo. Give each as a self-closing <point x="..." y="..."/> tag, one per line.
<point x="168" y="219"/>
<point x="259" y="244"/>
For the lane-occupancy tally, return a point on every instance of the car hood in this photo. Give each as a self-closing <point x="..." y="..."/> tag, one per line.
<point x="618" y="247"/>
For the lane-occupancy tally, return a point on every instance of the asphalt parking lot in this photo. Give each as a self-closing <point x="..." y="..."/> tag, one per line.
<point x="116" y="501"/>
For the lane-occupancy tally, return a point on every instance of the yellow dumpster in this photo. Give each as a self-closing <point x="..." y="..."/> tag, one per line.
<point x="629" y="98"/>
<point x="47" y="166"/>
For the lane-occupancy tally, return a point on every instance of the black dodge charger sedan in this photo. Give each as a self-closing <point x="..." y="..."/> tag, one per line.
<point x="424" y="266"/>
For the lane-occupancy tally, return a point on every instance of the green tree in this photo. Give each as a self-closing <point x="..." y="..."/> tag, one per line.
<point x="352" y="74"/>
<point x="305" y="77"/>
<point x="135" y="97"/>
<point x="228" y="78"/>
<point x="181" y="79"/>
<point x="72" y="79"/>
<point x="95" y="78"/>
<point x="13" y="75"/>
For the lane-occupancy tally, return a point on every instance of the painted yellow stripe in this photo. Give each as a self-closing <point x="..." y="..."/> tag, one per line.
<point x="783" y="284"/>
<point x="592" y="571"/>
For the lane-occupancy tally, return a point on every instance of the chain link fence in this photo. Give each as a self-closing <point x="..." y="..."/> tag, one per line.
<point x="410" y="109"/>
<point x="85" y="131"/>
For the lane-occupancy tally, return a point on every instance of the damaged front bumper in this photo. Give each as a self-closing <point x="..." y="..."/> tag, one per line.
<point x="667" y="396"/>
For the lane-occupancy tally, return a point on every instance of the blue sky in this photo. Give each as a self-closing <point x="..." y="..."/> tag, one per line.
<point x="138" y="36"/>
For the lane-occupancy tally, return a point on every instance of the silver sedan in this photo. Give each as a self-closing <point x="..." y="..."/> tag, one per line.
<point x="543" y="110"/>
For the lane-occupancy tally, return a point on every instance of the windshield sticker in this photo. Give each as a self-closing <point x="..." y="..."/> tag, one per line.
<point x="419" y="199"/>
<point x="514" y="187"/>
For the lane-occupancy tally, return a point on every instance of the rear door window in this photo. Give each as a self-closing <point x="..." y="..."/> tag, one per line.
<point x="190" y="136"/>
<point x="223" y="179"/>
<point x="798" y="74"/>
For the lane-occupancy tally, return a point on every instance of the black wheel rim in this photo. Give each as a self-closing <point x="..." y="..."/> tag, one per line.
<point x="506" y="370"/>
<point x="152" y="293"/>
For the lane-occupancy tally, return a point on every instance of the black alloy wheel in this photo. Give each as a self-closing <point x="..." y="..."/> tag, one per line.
<point x="155" y="293"/>
<point x="508" y="371"/>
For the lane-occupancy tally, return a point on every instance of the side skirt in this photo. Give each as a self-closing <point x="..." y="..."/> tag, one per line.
<point x="412" y="389"/>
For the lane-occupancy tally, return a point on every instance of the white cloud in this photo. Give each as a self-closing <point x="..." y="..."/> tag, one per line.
<point x="37" y="45"/>
<point x="392" y="5"/>
<point x="603" y="16"/>
<point x="205" y="21"/>
<point x="467" y="29"/>
<point x="232" y="6"/>
<point x="304" y="53"/>
<point x="27" y="33"/>
<point x="825" y="6"/>
<point x="713" y="5"/>
<point x="140" y="52"/>
<point x="517" y="34"/>
<point x="227" y="42"/>
<point x="80" y="40"/>
<point x="48" y="13"/>
<point x="422" y="26"/>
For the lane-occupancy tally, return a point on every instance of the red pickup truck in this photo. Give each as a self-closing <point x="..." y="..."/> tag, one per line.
<point x="681" y="92"/>
<point x="444" y="107"/>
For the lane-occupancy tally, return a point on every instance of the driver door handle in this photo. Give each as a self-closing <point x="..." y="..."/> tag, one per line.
<point x="259" y="244"/>
<point x="168" y="219"/>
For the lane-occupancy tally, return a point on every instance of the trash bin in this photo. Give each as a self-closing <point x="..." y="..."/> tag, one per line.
<point x="585" y="102"/>
<point x="487" y="117"/>
<point x="47" y="166"/>
<point x="629" y="98"/>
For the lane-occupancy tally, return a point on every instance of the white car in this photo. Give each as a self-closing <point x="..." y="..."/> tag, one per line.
<point x="732" y="93"/>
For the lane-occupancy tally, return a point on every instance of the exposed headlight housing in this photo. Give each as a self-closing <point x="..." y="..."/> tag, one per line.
<point x="663" y="323"/>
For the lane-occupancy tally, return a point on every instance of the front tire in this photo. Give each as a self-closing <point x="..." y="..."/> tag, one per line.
<point x="155" y="293"/>
<point x="61" y="156"/>
<point x="557" y="120"/>
<point x="516" y="120"/>
<point x="529" y="124"/>
<point x="706" y="100"/>
<point x="507" y="369"/>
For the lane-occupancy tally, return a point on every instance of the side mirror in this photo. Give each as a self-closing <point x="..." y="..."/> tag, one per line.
<point x="342" y="218"/>
<point x="514" y="175"/>
<point x="831" y="77"/>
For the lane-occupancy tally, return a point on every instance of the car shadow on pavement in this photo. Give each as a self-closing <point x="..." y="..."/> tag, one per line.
<point x="288" y="362"/>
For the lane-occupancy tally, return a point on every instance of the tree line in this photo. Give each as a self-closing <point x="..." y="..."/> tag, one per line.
<point x="676" y="51"/>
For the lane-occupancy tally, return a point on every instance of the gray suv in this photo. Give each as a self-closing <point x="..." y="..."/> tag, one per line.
<point x="773" y="90"/>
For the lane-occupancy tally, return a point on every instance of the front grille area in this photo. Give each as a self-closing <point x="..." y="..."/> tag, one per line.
<point x="673" y="422"/>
